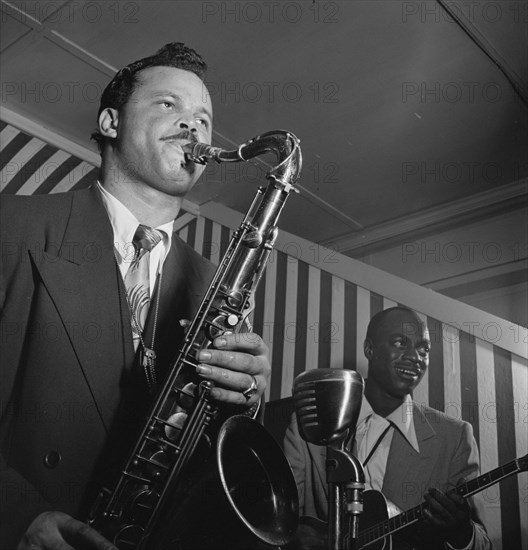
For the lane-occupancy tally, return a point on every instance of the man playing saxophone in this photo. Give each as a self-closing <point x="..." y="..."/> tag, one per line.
<point x="73" y="267"/>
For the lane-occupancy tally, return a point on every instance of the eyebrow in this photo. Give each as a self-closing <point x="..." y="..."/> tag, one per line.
<point x="178" y="97"/>
<point x="406" y="337"/>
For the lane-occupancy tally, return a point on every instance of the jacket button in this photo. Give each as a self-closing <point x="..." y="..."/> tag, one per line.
<point x="52" y="459"/>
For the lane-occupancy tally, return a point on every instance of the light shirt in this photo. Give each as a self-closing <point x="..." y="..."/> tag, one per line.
<point x="125" y="224"/>
<point x="370" y="427"/>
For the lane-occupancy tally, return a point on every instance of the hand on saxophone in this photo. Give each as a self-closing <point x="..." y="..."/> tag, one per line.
<point x="239" y="366"/>
<point x="58" y="531"/>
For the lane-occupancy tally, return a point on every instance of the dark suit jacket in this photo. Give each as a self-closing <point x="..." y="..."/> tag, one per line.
<point x="448" y="452"/>
<point x="66" y="347"/>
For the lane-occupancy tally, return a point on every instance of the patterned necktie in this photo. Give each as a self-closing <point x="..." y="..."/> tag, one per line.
<point x="137" y="278"/>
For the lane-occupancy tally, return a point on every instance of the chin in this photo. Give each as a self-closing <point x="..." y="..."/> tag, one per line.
<point x="178" y="188"/>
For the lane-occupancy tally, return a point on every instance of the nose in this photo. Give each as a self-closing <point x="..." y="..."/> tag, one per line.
<point x="411" y="354"/>
<point x="188" y="125"/>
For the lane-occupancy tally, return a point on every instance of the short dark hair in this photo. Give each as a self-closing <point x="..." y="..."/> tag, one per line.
<point x="380" y="317"/>
<point x="118" y="92"/>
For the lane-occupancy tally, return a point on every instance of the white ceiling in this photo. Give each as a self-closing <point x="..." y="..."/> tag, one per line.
<point x="408" y="120"/>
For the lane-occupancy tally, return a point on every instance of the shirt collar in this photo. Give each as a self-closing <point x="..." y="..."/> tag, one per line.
<point x="402" y="418"/>
<point x="124" y="224"/>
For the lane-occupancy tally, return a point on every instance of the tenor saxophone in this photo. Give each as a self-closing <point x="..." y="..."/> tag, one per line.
<point x="191" y="451"/>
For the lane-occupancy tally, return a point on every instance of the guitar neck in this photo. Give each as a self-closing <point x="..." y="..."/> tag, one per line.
<point x="465" y="490"/>
<point x="480" y="483"/>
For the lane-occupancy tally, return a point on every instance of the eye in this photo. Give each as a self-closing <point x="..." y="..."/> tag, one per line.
<point x="399" y="343"/>
<point x="424" y="351"/>
<point x="203" y="122"/>
<point x="167" y="104"/>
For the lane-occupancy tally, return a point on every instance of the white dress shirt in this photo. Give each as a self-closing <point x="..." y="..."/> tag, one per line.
<point x="125" y="224"/>
<point x="370" y="427"/>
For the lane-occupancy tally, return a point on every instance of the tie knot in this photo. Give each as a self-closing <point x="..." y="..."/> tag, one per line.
<point x="146" y="238"/>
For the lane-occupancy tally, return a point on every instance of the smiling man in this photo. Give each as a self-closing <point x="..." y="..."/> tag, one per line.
<point x="409" y="452"/>
<point x="93" y="287"/>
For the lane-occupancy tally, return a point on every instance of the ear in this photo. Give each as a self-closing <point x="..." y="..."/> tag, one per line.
<point x="108" y="122"/>
<point x="368" y="348"/>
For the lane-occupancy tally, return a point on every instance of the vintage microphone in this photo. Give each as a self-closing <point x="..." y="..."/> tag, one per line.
<point x="327" y="405"/>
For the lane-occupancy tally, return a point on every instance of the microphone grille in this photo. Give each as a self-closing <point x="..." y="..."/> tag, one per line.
<point x="327" y="403"/>
<point x="306" y="404"/>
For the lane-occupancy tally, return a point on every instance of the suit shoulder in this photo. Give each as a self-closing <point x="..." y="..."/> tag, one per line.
<point x="440" y="420"/>
<point x="18" y="209"/>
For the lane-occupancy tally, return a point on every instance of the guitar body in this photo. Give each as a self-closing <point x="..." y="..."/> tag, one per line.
<point x="376" y="510"/>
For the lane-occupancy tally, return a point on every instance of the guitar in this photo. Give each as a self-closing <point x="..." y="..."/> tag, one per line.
<point x="376" y="529"/>
<point x="378" y="536"/>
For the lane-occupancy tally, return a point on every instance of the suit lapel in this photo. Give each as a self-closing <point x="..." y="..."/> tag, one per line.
<point x="404" y="463"/>
<point x="82" y="278"/>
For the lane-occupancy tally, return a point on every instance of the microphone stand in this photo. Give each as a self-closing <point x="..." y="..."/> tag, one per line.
<point x="346" y="481"/>
<point x="327" y="405"/>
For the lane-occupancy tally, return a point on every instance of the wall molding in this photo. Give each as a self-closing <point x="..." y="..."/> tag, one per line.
<point x="44" y="133"/>
<point x="383" y="235"/>
<point x="500" y="273"/>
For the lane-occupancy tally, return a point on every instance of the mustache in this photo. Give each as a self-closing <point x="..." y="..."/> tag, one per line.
<point x="183" y="135"/>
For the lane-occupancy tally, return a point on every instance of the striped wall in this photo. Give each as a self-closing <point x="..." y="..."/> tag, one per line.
<point x="28" y="165"/>
<point x="310" y="317"/>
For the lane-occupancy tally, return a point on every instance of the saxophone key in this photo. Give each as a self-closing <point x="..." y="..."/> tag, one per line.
<point x="175" y="424"/>
<point x="142" y="504"/>
<point x="136" y="477"/>
<point x="128" y="537"/>
<point x="253" y="239"/>
<point x="155" y="465"/>
<point x="158" y="459"/>
<point x="232" y="320"/>
<point x="216" y="327"/>
<point x="185" y="396"/>
<point x="235" y="298"/>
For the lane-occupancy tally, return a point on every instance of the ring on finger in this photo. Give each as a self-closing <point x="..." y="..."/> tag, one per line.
<point x="252" y="390"/>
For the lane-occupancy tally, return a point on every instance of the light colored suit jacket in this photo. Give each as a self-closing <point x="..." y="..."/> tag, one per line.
<point x="448" y="452"/>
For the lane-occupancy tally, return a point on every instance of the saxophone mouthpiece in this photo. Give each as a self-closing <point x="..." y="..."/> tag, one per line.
<point x="200" y="153"/>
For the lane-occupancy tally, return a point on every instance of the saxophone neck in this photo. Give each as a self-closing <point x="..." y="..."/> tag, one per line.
<point x="282" y="143"/>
